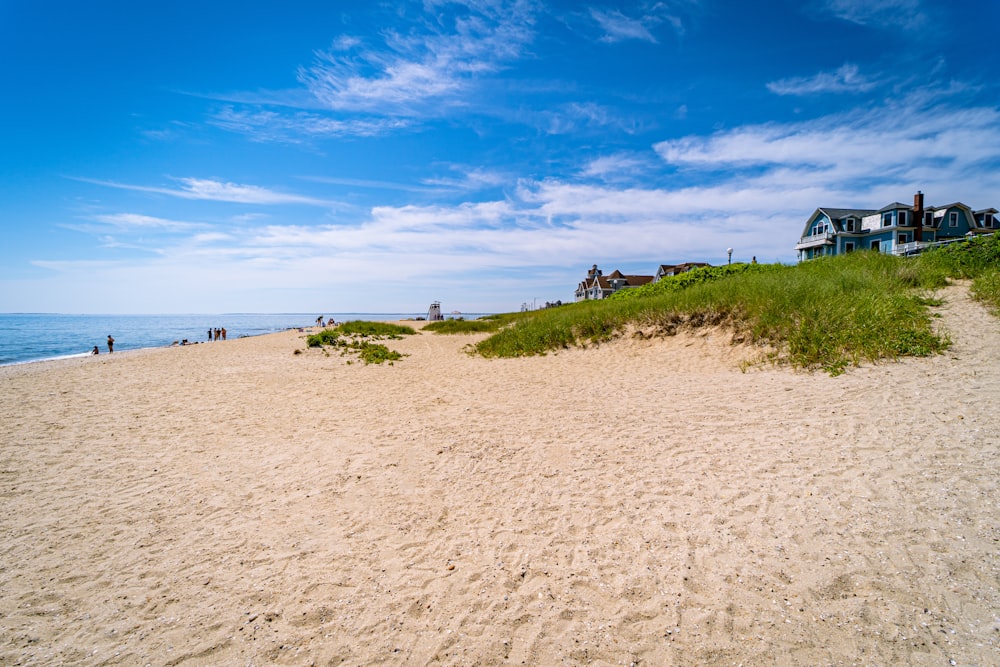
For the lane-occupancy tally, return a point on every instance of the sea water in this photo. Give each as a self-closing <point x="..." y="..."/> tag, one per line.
<point x="35" y="337"/>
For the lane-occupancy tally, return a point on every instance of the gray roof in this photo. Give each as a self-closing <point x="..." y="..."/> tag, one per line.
<point x="839" y="213"/>
<point x="894" y="206"/>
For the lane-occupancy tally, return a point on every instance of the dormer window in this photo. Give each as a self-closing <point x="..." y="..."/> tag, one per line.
<point x="887" y="219"/>
<point x="902" y="219"/>
<point x="953" y="219"/>
<point x="849" y="224"/>
<point x="928" y="218"/>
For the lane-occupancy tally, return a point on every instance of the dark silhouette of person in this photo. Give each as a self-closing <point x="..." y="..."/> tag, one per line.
<point x="111" y="344"/>
<point x="96" y="351"/>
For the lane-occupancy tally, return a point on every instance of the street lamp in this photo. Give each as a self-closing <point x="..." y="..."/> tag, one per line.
<point x="729" y="251"/>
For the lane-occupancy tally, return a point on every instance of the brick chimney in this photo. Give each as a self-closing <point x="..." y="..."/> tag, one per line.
<point x="918" y="216"/>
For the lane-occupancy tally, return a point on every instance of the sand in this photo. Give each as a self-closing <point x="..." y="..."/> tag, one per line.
<point x="643" y="502"/>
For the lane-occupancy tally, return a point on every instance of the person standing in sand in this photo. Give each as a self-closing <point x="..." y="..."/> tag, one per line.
<point x="111" y="344"/>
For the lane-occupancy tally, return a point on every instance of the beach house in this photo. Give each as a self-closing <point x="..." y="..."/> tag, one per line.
<point x="676" y="269"/>
<point x="598" y="286"/>
<point x="896" y="228"/>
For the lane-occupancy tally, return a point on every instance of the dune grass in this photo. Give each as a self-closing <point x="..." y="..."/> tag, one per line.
<point x="463" y="326"/>
<point x="828" y="313"/>
<point x="374" y="329"/>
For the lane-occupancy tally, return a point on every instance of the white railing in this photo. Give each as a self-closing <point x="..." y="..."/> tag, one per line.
<point x="917" y="247"/>
<point x="814" y="239"/>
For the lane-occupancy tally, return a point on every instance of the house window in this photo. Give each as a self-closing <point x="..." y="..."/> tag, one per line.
<point x="902" y="218"/>
<point x="928" y="218"/>
<point x="849" y="225"/>
<point x="953" y="219"/>
<point x="988" y="221"/>
<point x="875" y="245"/>
<point x="886" y="219"/>
<point x="849" y="246"/>
<point x="903" y="238"/>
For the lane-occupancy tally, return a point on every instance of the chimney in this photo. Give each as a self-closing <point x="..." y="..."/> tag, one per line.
<point x="918" y="216"/>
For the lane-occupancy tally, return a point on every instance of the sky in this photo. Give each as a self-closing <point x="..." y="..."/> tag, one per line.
<point x="333" y="156"/>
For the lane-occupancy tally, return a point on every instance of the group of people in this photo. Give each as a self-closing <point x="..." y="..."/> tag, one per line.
<point x="111" y="346"/>
<point x="216" y="334"/>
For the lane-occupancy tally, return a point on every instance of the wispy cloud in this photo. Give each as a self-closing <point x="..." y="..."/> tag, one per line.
<point x="617" y="26"/>
<point x="300" y="126"/>
<point x="136" y="221"/>
<point x="213" y="190"/>
<point x="846" y="79"/>
<point x="888" y="14"/>
<point x="887" y="142"/>
<point x="397" y="80"/>
<point x="414" y="73"/>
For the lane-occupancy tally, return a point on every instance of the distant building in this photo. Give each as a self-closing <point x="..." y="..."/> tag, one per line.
<point x="676" y="269"/>
<point x="895" y="228"/>
<point x="599" y="286"/>
<point x="434" y="312"/>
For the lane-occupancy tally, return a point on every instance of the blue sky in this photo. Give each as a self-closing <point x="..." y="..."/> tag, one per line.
<point x="374" y="157"/>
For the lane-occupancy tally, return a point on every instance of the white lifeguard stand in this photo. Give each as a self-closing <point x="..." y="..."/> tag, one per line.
<point x="434" y="312"/>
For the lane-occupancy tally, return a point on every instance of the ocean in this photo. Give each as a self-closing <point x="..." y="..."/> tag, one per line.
<point x="28" y="337"/>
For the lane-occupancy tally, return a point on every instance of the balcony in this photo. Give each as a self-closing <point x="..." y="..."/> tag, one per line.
<point x="814" y="240"/>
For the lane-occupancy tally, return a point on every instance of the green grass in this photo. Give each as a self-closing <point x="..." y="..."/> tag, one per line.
<point x="374" y="329"/>
<point x="352" y="338"/>
<point x="828" y="313"/>
<point x="463" y="326"/>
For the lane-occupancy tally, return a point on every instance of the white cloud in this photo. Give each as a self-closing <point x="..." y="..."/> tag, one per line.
<point x="133" y="221"/>
<point x="888" y="14"/>
<point x="413" y="74"/>
<point x="873" y="144"/>
<point x="618" y="27"/>
<point x="213" y="190"/>
<point x="297" y="127"/>
<point x="845" y="79"/>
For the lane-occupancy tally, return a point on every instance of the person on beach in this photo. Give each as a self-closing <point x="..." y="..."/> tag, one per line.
<point x="223" y="332"/>
<point x="95" y="351"/>
<point x="111" y="344"/>
<point x="209" y="335"/>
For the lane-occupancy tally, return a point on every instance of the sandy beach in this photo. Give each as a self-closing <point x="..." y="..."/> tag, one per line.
<point x="643" y="502"/>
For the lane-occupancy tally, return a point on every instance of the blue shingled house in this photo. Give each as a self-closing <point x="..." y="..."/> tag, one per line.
<point x="897" y="228"/>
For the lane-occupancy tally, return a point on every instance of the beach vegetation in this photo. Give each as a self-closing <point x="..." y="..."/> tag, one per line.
<point x="324" y="337"/>
<point x="376" y="353"/>
<point x="355" y="339"/>
<point x="828" y="313"/>
<point x="976" y="259"/>
<point x="364" y="328"/>
<point x="464" y="326"/>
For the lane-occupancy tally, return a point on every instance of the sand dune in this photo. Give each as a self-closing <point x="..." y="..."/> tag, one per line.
<point x="643" y="502"/>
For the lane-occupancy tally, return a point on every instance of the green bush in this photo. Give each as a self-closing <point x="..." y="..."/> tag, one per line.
<point x="324" y="337"/>
<point x="376" y="353"/>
